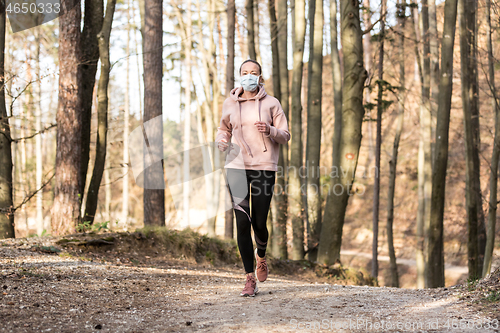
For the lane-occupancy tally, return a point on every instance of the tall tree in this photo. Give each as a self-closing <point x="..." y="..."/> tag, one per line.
<point x="424" y="146"/>
<point x="435" y="254"/>
<point x="274" y="50"/>
<point x="281" y="199"/>
<point x="92" y="24"/>
<point x="256" y="24"/>
<point x="187" y="118"/>
<point x="6" y="200"/>
<point x="68" y="178"/>
<point x="250" y="29"/>
<point x="102" y="114"/>
<point x="38" y="138"/>
<point x="313" y="143"/>
<point x="296" y="203"/>
<point x="434" y="50"/>
<point x="154" y="194"/>
<point x="470" y="105"/>
<point x="231" y="23"/>
<point x="337" y="84"/>
<point x="126" y="127"/>
<point x="368" y="59"/>
<point x="495" y="156"/>
<point x="350" y="138"/>
<point x="393" y="267"/>
<point x="378" y="142"/>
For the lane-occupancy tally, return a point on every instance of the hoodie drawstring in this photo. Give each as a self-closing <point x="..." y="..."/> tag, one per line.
<point x="257" y="105"/>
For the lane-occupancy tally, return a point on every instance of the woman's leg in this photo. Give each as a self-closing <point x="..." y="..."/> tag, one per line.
<point x="262" y="186"/>
<point x="240" y="196"/>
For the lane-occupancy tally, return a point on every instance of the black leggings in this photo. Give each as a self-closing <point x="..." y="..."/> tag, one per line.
<point x="261" y="191"/>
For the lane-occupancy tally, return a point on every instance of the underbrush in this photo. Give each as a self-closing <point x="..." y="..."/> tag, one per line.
<point x="483" y="293"/>
<point x="154" y="246"/>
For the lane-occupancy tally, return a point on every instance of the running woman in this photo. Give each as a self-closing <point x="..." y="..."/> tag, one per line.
<point x="255" y="122"/>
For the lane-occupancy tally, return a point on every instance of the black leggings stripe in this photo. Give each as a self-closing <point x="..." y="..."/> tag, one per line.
<point x="257" y="186"/>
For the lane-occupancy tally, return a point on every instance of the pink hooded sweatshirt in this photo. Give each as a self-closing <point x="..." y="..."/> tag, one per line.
<point x="258" y="151"/>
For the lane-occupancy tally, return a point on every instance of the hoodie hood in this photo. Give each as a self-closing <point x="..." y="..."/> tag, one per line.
<point x="235" y="94"/>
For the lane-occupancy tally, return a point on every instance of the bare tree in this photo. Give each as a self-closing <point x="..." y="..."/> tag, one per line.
<point x="231" y="23"/>
<point x="313" y="143"/>
<point x="435" y="254"/>
<point x="38" y="138"/>
<point x="92" y="24"/>
<point x="6" y="200"/>
<point x="393" y="267"/>
<point x="250" y="29"/>
<point x="281" y="199"/>
<point x="495" y="156"/>
<point x="68" y="178"/>
<point x="296" y="203"/>
<point x="378" y="143"/>
<point x="126" y="127"/>
<point x="337" y="84"/>
<point x="350" y="138"/>
<point x="102" y="114"/>
<point x="154" y="198"/>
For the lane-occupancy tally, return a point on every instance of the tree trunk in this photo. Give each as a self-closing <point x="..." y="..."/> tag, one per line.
<point x="274" y="50"/>
<point x="435" y="255"/>
<point x="126" y="129"/>
<point x="434" y="50"/>
<point x="393" y="267"/>
<point x="250" y="30"/>
<point x="337" y="85"/>
<point x="478" y="197"/>
<point x="495" y="156"/>
<point x="350" y="139"/>
<point x="277" y="93"/>
<point x="102" y="115"/>
<point x="6" y="200"/>
<point x="313" y="143"/>
<point x="211" y="112"/>
<point x="107" y="190"/>
<point x="424" y="148"/>
<point x="38" y="138"/>
<point x="93" y="18"/>
<point x="281" y="197"/>
<point x="256" y="25"/>
<point x="187" y="119"/>
<point x="231" y="18"/>
<point x="467" y="23"/>
<point x="68" y="179"/>
<point x="378" y="143"/>
<point x="154" y="189"/>
<point x="296" y="204"/>
<point x="367" y="58"/>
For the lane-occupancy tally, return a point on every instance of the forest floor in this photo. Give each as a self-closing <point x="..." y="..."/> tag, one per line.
<point x="48" y="287"/>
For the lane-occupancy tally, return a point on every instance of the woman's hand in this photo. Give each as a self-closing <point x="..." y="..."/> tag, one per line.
<point x="263" y="127"/>
<point x="222" y="145"/>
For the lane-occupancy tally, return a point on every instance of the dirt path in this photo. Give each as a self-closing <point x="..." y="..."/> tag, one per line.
<point x="49" y="293"/>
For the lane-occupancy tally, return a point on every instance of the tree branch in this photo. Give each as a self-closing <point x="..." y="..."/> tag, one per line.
<point x="34" y="134"/>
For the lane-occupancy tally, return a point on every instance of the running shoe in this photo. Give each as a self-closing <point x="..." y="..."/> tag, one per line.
<point x="251" y="288"/>
<point x="262" y="270"/>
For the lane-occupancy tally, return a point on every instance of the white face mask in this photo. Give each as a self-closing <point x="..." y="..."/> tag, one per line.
<point x="249" y="82"/>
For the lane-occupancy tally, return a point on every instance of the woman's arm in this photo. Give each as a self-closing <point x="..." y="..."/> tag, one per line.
<point x="225" y="130"/>
<point x="279" y="130"/>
